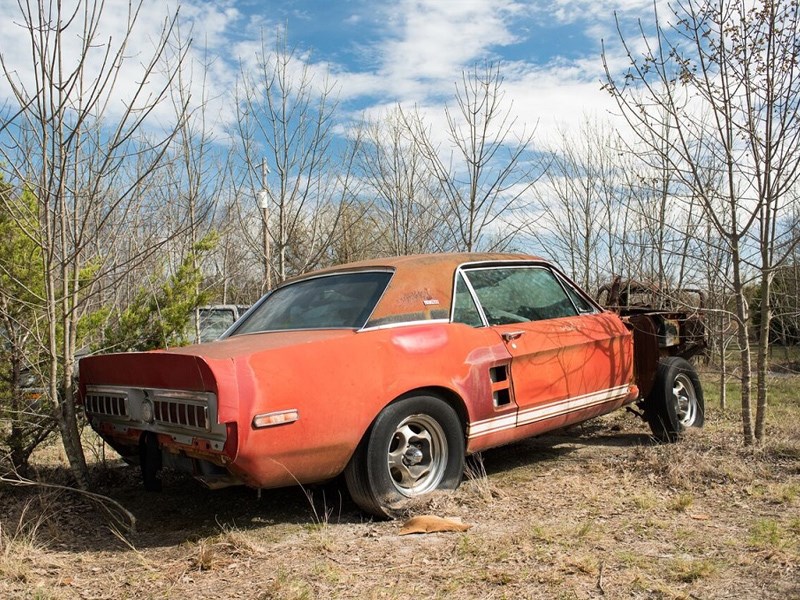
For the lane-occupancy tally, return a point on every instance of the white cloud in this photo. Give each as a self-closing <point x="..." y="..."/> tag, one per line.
<point x="425" y="44"/>
<point x="207" y="24"/>
<point x="419" y="47"/>
<point x="436" y="38"/>
<point x="598" y="11"/>
<point x="413" y="51"/>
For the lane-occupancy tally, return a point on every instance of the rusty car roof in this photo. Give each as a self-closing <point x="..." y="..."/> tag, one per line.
<point x="422" y="285"/>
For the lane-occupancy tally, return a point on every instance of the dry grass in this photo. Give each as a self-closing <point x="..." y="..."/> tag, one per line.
<point x="596" y="511"/>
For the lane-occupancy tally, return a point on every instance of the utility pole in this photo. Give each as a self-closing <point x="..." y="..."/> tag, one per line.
<point x="263" y="198"/>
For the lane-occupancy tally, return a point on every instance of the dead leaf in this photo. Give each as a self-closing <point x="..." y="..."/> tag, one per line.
<point x="700" y="516"/>
<point x="431" y="524"/>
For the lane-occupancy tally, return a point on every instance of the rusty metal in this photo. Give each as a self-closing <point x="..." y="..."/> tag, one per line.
<point x="223" y="401"/>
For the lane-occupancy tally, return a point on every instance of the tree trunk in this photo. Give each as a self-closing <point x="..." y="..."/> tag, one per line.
<point x="723" y="376"/>
<point x="763" y="354"/>
<point x="744" y="346"/>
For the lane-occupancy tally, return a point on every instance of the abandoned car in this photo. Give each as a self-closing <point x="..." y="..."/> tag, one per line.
<point x="391" y="371"/>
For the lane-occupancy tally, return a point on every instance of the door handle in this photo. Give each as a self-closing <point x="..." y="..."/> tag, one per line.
<point x="512" y="335"/>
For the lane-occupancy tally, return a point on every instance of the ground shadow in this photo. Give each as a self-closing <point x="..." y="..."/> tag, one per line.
<point x="559" y="444"/>
<point x="186" y="511"/>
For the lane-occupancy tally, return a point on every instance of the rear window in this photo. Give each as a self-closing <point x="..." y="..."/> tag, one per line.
<point x="341" y="301"/>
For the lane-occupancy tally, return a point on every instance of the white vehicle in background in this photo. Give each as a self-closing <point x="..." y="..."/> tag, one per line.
<point x="210" y="322"/>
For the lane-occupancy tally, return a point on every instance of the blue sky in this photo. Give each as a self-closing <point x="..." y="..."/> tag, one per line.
<point x="386" y="51"/>
<point x="380" y="52"/>
<point x="413" y="51"/>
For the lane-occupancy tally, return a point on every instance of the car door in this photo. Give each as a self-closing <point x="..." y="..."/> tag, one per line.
<point x="568" y="357"/>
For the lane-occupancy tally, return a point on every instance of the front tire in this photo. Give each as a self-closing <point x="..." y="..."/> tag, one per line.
<point x="415" y="446"/>
<point x="676" y="401"/>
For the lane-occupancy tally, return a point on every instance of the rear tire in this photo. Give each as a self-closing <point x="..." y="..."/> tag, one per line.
<point x="676" y="401"/>
<point x="150" y="461"/>
<point x="414" y="446"/>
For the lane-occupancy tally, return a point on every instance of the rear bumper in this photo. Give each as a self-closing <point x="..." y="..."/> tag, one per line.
<point x="185" y="423"/>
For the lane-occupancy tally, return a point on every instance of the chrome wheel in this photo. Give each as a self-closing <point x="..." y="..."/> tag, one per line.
<point x="417" y="456"/>
<point x="415" y="446"/>
<point x="685" y="400"/>
<point x="675" y="402"/>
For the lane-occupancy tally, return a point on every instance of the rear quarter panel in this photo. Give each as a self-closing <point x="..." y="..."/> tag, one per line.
<point x="340" y="385"/>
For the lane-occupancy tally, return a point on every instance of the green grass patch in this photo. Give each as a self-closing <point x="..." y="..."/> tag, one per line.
<point x="681" y="502"/>
<point x="782" y="389"/>
<point x="689" y="570"/>
<point x="767" y="534"/>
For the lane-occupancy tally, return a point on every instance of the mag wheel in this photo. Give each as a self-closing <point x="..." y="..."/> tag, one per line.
<point x="676" y="402"/>
<point x="415" y="446"/>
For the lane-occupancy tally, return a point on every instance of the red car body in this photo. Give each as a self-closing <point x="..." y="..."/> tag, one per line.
<point x="279" y="407"/>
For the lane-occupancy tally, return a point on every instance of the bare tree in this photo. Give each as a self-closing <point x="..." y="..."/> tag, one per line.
<point x="196" y="177"/>
<point x="66" y="136"/>
<point x="231" y="263"/>
<point x="720" y="90"/>
<point x="486" y="169"/>
<point x="286" y="118"/>
<point x="666" y="213"/>
<point x="401" y="189"/>
<point x="580" y="204"/>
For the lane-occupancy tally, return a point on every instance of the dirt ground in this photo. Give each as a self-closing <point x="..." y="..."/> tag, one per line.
<point x="596" y="511"/>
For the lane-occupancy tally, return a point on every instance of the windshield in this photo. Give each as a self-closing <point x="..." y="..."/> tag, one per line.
<point x="342" y="301"/>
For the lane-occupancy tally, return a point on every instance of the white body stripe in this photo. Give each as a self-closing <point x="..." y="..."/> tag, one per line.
<point x="540" y="413"/>
<point x="487" y="426"/>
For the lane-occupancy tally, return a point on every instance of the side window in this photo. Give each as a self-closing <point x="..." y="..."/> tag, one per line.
<point x="464" y="309"/>
<point x="520" y="294"/>
<point x="581" y="303"/>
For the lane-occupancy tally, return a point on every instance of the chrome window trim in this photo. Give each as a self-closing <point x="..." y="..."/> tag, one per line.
<point x="404" y="324"/>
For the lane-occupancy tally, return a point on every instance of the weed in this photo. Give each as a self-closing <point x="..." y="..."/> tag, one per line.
<point x="495" y="577"/>
<point x="477" y="482"/>
<point x="644" y="501"/>
<point x="284" y="585"/>
<point x="19" y="545"/>
<point x="585" y="529"/>
<point x="328" y="572"/>
<point x="468" y="546"/>
<point x="587" y="564"/>
<point x="204" y="557"/>
<point x="321" y="538"/>
<point x="766" y="534"/>
<point x="235" y="542"/>
<point x="321" y="515"/>
<point x="220" y="550"/>
<point x="539" y="533"/>
<point x="688" y="570"/>
<point x="631" y="559"/>
<point x="682" y="502"/>
<point x="794" y="526"/>
<point x="784" y="494"/>
<point x="758" y="490"/>
<point x="786" y="447"/>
